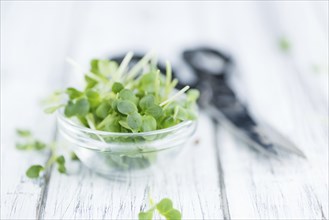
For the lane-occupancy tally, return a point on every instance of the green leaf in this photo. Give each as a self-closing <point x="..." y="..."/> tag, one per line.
<point x="74" y="156"/>
<point x="146" y="215"/>
<point x="80" y="107"/>
<point x="146" y="102"/>
<point x="34" y="171"/>
<point x="103" y="68"/>
<point x="173" y="214"/>
<point x="164" y="206"/>
<point x="38" y="145"/>
<point x="103" y="109"/>
<point x="126" y="94"/>
<point x="60" y="159"/>
<point x="126" y="107"/>
<point x="117" y="87"/>
<point x="73" y="93"/>
<point x="114" y="105"/>
<point x="168" y="122"/>
<point x="124" y="124"/>
<point x="192" y="95"/>
<point x="191" y="115"/>
<point x="70" y="109"/>
<point x="93" y="98"/>
<point x="155" y="111"/>
<point x="21" y="146"/>
<point x="52" y="109"/>
<point x="114" y="126"/>
<point x="94" y="66"/>
<point x="61" y="168"/>
<point x="106" y="67"/>
<point x="149" y="123"/>
<point x="180" y="113"/>
<point x="134" y="121"/>
<point x="90" y="82"/>
<point x="147" y="82"/>
<point x="23" y="133"/>
<point x="284" y="44"/>
<point x="31" y="145"/>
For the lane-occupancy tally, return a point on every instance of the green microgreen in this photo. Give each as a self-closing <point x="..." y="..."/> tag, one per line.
<point x="117" y="87"/>
<point x="134" y="121"/>
<point x="164" y="208"/>
<point x="74" y="156"/>
<point x="61" y="164"/>
<point x="117" y="98"/>
<point x="126" y="107"/>
<point x="34" y="171"/>
<point x="26" y="141"/>
<point x="284" y="44"/>
<point x="23" y="133"/>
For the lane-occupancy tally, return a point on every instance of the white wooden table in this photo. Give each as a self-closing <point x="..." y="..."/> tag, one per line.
<point x="218" y="178"/>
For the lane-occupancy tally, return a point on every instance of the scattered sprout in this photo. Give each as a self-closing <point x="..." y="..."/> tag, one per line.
<point x="34" y="171"/>
<point x="28" y="142"/>
<point x="284" y="44"/>
<point x="165" y="208"/>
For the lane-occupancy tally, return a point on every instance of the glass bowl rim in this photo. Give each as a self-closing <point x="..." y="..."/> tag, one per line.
<point x="69" y="122"/>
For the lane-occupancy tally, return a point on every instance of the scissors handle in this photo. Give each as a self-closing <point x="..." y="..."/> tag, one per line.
<point x="205" y="60"/>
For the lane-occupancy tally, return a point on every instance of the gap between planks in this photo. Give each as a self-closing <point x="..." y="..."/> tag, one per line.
<point x="77" y="25"/>
<point x="224" y="200"/>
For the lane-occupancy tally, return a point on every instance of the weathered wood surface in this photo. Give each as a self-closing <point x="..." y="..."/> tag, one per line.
<point x="218" y="178"/>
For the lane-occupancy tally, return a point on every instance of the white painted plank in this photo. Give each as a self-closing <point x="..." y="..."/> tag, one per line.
<point x="263" y="188"/>
<point x="32" y="48"/>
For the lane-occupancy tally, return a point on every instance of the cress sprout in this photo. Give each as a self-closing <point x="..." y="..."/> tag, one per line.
<point x="121" y="99"/>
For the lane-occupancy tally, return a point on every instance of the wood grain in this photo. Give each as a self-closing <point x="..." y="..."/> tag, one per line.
<point x="259" y="187"/>
<point x="219" y="178"/>
<point x="29" y="70"/>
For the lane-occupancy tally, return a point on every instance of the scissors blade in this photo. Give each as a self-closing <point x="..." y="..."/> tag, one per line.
<point x="278" y="139"/>
<point x="262" y="138"/>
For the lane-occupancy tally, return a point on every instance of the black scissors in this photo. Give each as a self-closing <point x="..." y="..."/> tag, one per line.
<point x="212" y="70"/>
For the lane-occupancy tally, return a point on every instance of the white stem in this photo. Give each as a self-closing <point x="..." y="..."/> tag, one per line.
<point x="175" y="96"/>
<point x="92" y="126"/>
<point x="140" y="65"/>
<point x="78" y="67"/>
<point x="168" y="78"/>
<point x="123" y="65"/>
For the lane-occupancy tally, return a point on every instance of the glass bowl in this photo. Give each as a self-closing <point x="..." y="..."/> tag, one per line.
<point x="119" y="155"/>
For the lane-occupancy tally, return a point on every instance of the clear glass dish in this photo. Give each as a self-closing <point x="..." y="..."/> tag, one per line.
<point x="118" y="155"/>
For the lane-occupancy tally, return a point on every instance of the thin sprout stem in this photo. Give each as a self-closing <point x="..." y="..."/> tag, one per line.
<point x="180" y="92"/>
<point x="102" y="123"/>
<point x="123" y="66"/>
<point x="53" y="156"/>
<point x="154" y="62"/>
<point x="140" y="65"/>
<point x="88" y="73"/>
<point x="176" y="112"/>
<point x="168" y="78"/>
<point x="157" y="84"/>
<point x="92" y="126"/>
